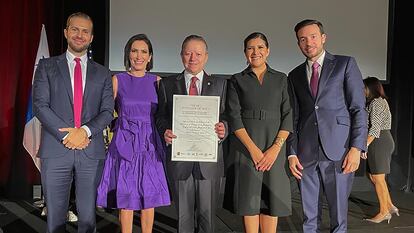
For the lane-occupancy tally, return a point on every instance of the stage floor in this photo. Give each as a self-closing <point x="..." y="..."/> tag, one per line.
<point x="24" y="217"/>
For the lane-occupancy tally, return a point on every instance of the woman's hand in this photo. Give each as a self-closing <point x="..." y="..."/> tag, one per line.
<point x="257" y="155"/>
<point x="269" y="158"/>
<point x="364" y="155"/>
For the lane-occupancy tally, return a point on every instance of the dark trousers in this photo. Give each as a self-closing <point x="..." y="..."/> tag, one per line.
<point x="196" y="203"/>
<point x="57" y="175"/>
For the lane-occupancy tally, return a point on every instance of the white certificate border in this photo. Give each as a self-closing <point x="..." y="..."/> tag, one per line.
<point x="173" y="158"/>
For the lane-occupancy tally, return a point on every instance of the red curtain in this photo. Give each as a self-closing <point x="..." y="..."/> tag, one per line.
<point x="20" y="25"/>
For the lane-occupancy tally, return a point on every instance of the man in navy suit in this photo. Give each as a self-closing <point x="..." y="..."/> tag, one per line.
<point x="72" y="98"/>
<point x="330" y="127"/>
<point x="195" y="185"/>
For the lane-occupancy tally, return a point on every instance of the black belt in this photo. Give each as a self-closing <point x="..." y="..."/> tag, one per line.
<point x="260" y="114"/>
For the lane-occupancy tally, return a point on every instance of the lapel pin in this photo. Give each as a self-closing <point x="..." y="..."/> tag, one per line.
<point x="208" y="84"/>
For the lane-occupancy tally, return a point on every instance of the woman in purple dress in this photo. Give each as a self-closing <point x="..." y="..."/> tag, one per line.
<point x="133" y="177"/>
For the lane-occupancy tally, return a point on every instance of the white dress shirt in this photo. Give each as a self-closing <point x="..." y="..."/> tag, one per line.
<point x="70" y="58"/>
<point x="71" y="64"/>
<point x="309" y="66"/>
<point x="199" y="83"/>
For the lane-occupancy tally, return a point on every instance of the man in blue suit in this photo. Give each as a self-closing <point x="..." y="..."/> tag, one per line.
<point x="330" y="127"/>
<point x="72" y="98"/>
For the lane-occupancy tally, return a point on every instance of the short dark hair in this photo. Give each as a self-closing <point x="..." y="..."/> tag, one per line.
<point x="308" y="22"/>
<point x="190" y="38"/>
<point x="127" y="50"/>
<point x="255" y="35"/>
<point x="375" y="88"/>
<point x="79" y="15"/>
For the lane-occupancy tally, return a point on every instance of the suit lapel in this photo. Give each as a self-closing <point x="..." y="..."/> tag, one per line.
<point x="304" y="80"/>
<point x="327" y="68"/>
<point x="180" y="85"/>
<point x="90" y="75"/>
<point x="181" y="89"/>
<point x="64" y="71"/>
<point x="207" y="84"/>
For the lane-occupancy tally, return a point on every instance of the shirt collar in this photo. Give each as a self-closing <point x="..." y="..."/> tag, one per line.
<point x="319" y="60"/>
<point x="249" y="70"/>
<point x="188" y="76"/>
<point x="70" y="57"/>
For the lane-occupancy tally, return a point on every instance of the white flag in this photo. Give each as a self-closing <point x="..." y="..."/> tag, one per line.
<point x="32" y="129"/>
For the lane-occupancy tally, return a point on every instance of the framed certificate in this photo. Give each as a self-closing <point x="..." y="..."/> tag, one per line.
<point x="193" y="123"/>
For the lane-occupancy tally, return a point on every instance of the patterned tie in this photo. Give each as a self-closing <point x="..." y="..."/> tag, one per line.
<point x="193" y="87"/>
<point x="77" y="93"/>
<point x="314" y="79"/>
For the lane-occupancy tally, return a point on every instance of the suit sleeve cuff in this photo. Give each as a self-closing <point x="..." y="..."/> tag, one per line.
<point x="88" y="131"/>
<point x="291" y="156"/>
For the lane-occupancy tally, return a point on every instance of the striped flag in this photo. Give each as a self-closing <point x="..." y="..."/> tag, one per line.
<point x="32" y="129"/>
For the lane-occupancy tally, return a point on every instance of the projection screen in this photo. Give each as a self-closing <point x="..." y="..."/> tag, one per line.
<point x="353" y="27"/>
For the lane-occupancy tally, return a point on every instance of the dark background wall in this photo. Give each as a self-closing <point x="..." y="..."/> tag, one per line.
<point x="20" y="24"/>
<point x="400" y="91"/>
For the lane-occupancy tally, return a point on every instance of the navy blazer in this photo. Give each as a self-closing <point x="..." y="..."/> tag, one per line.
<point x="336" y="119"/>
<point x="53" y="105"/>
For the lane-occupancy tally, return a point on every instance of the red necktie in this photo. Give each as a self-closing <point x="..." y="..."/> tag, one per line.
<point x="193" y="86"/>
<point x="77" y="94"/>
<point x="314" y="79"/>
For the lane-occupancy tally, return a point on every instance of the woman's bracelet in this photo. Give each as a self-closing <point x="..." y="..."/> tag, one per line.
<point x="279" y="141"/>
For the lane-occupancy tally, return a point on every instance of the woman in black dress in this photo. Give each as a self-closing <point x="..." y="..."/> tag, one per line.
<point x="260" y="119"/>
<point x="380" y="147"/>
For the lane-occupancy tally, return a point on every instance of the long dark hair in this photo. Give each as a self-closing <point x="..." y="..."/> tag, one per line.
<point x="128" y="46"/>
<point x="375" y="88"/>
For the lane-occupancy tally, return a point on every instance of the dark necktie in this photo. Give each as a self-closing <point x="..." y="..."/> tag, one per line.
<point x="77" y="93"/>
<point x="193" y="86"/>
<point x="314" y="79"/>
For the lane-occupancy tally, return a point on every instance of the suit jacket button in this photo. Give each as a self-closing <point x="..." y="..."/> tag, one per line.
<point x="316" y="107"/>
<point x="316" y="123"/>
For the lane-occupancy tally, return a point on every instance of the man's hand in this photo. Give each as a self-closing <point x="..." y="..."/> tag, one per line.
<point x="295" y="167"/>
<point x="169" y="136"/>
<point x="77" y="138"/>
<point x="84" y="144"/>
<point x="220" y="130"/>
<point x="351" y="162"/>
<point x="269" y="158"/>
